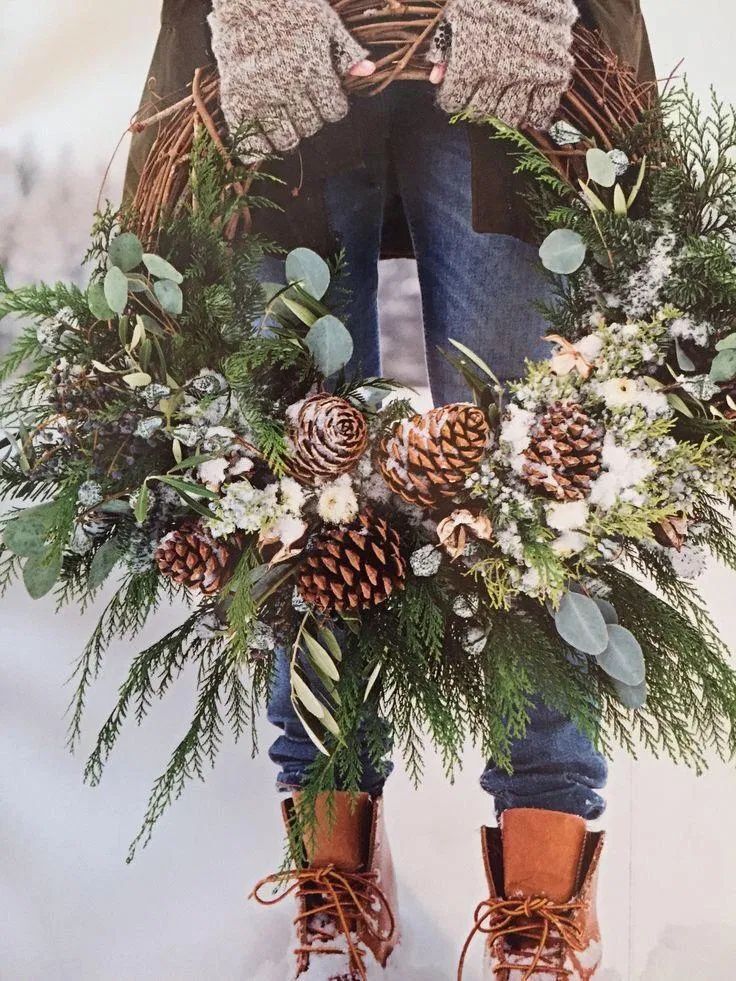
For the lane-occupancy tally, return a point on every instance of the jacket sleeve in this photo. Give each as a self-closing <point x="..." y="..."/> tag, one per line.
<point x="183" y="46"/>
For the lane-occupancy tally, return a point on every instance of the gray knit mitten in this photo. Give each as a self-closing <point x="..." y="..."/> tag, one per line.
<point x="505" y="58"/>
<point x="281" y="64"/>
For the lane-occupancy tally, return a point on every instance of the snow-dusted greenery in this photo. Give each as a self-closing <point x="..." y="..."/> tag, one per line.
<point x="168" y="393"/>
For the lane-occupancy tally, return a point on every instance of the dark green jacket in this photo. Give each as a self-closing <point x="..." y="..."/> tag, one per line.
<point x="184" y="45"/>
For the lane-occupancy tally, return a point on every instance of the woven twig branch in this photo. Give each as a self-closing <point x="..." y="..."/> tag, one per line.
<point x="605" y="98"/>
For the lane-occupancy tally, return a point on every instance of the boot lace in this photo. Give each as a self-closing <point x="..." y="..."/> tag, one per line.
<point x="537" y="922"/>
<point x="336" y="904"/>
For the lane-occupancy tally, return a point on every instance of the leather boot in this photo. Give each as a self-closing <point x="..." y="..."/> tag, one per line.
<point x="540" y="920"/>
<point x="345" y="889"/>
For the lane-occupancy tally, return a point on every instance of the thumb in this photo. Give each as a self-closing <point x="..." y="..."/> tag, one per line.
<point x="346" y="51"/>
<point x="439" y="50"/>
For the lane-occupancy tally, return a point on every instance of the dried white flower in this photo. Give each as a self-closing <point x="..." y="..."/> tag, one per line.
<point x="426" y="561"/>
<point x="570" y="543"/>
<point x="337" y="502"/>
<point x="568" y="515"/>
<point x="293" y="495"/>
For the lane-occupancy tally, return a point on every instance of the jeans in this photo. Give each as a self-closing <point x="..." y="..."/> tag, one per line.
<point x="479" y="289"/>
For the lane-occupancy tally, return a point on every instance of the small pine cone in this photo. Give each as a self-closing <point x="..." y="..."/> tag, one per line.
<point x="329" y="437"/>
<point x="428" y="458"/>
<point x="353" y="567"/>
<point x="193" y="558"/>
<point x="564" y="456"/>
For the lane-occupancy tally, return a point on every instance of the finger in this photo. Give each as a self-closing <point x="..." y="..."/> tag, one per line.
<point x="510" y="103"/>
<point x="305" y="117"/>
<point x="279" y="129"/>
<point x="437" y="75"/>
<point x="328" y="96"/>
<point x="253" y="148"/>
<point x="543" y="106"/>
<point x="363" y="69"/>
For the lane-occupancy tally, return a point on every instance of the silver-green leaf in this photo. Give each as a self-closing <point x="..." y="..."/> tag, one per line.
<point x="126" y="251"/>
<point x="98" y="305"/>
<point x="41" y="573"/>
<point x="116" y="289"/>
<point x="169" y="295"/>
<point x="581" y="624"/>
<point x="330" y="344"/>
<point x="723" y="368"/>
<point x="623" y="658"/>
<point x="563" y="251"/>
<point x="161" y="269"/>
<point x="309" y="270"/>
<point x="632" y="697"/>
<point x="601" y="168"/>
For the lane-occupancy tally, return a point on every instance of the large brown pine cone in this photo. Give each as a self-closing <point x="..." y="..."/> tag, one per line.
<point x="354" y="567"/>
<point x="193" y="558"/>
<point x="564" y="456"/>
<point x="329" y="437"/>
<point x="428" y="458"/>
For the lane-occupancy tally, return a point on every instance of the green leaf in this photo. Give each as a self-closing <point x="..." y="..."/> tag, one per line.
<point x="330" y="344"/>
<point x="601" y="169"/>
<point x="319" y="657"/>
<point x="591" y="198"/>
<point x="563" y="251"/>
<point x="126" y="251"/>
<point x="103" y="562"/>
<point x="41" y="573"/>
<point x="679" y="405"/>
<point x="375" y="675"/>
<point x="299" y="310"/>
<point x="476" y="360"/>
<point x="623" y="658"/>
<point x="161" y="269"/>
<point x="26" y="534"/>
<point x="141" y="505"/>
<point x="137" y="379"/>
<point x="310" y="271"/>
<point x="186" y="487"/>
<point x="330" y="641"/>
<point x="684" y="362"/>
<point x="98" y="305"/>
<point x="724" y="366"/>
<point x="620" y="206"/>
<point x="306" y="696"/>
<point x="116" y="289"/>
<point x="581" y="624"/>
<point x="726" y="343"/>
<point x="639" y="183"/>
<point x="632" y="697"/>
<point x="607" y="609"/>
<point x="309" y="730"/>
<point x="170" y="296"/>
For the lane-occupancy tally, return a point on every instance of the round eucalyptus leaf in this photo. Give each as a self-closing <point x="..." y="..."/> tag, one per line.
<point x="723" y="368"/>
<point x="126" y="251"/>
<point x="601" y="168"/>
<point x="330" y="344"/>
<point x="309" y="270"/>
<point x="170" y="296"/>
<point x="41" y="573"/>
<point x="116" y="289"/>
<point x="26" y="533"/>
<point x="632" y="697"/>
<point x="623" y="658"/>
<point x="563" y="251"/>
<point x="103" y="562"/>
<point x="726" y="343"/>
<point x="161" y="269"/>
<point x="581" y="624"/>
<point x="98" y="305"/>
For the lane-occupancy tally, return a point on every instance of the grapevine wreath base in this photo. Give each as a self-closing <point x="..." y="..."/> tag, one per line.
<point x="185" y="430"/>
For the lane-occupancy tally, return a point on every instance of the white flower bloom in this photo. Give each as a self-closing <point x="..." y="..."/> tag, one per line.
<point x="623" y="470"/>
<point x="338" y="503"/>
<point x="618" y="393"/>
<point x="516" y="434"/>
<point x="293" y="495"/>
<point x="569" y="543"/>
<point x="567" y="516"/>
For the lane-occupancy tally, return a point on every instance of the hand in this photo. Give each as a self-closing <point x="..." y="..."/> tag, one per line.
<point x="282" y="67"/>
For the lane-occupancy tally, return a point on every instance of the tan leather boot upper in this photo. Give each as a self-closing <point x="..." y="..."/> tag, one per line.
<point x="540" y="920"/>
<point x="346" y="890"/>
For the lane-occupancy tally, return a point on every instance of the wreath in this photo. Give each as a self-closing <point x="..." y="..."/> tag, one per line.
<point x="189" y="431"/>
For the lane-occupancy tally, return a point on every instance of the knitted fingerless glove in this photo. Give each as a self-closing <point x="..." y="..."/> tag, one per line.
<point x="505" y="58"/>
<point x="281" y="63"/>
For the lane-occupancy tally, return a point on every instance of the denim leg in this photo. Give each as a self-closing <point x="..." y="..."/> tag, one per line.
<point x="481" y="289"/>
<point x="293" y="751"/>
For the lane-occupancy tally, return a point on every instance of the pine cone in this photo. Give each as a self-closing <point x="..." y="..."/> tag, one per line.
<point x="193" y="558"/>
<point x="564" y="456"/>
<point x="329" y="437"/>
<point x="354" y="567"/>
<point x="428" y="458"/>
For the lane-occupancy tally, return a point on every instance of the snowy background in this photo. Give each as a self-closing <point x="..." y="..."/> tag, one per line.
<point x="70" y="73"/>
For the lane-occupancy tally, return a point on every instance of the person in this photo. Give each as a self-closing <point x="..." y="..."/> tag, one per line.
<point x="389" y="176"/>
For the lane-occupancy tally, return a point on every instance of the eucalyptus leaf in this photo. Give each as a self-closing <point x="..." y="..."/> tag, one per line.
<point x="169" y="295"/>
<point x="161" y="269"/>
<point x="309" y="270"/>
<point x="726" y="343"/>
<point x="607" y="609"/>
<point x="684" y="361"/>
<point x="116" y="289"/>
<point x="26" y="534"/>
<point x="126" y="251"/>
<point x="724" y="366"/>
<point x="137" y="379"/>
<point x="623" y="658"/>
<point x="98" y="305"/>
<point x="581" y="624"/>
<point x="330" y="344"/>
<point x="601" y="168"/>
<point x="141" y="505"/>
<point x="103" y="562"/>
<point x="632" y="697"/>
<point x="41" y="573"/>
<point x="563" y="251"/>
